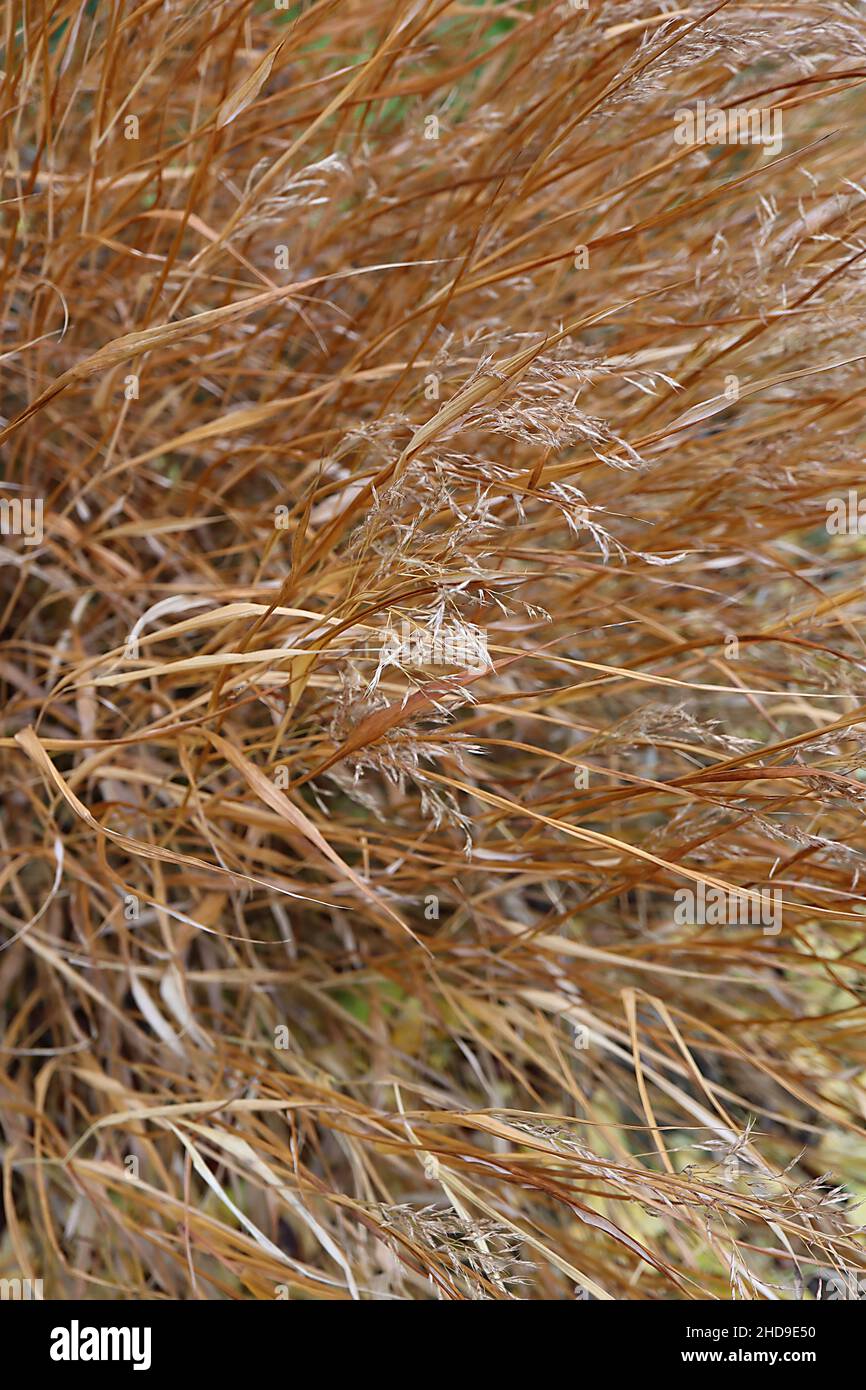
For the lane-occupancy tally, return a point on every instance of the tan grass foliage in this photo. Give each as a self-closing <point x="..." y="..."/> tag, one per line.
<point x="434" y="578"/>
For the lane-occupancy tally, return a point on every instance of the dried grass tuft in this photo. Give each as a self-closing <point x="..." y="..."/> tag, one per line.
<point x="436" y="578"/>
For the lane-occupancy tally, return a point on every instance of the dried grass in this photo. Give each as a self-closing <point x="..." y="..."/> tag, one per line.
<point x="329" y="969"/>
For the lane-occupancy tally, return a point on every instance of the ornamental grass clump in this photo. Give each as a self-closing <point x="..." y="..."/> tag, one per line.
<point x="433" y="676"/>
